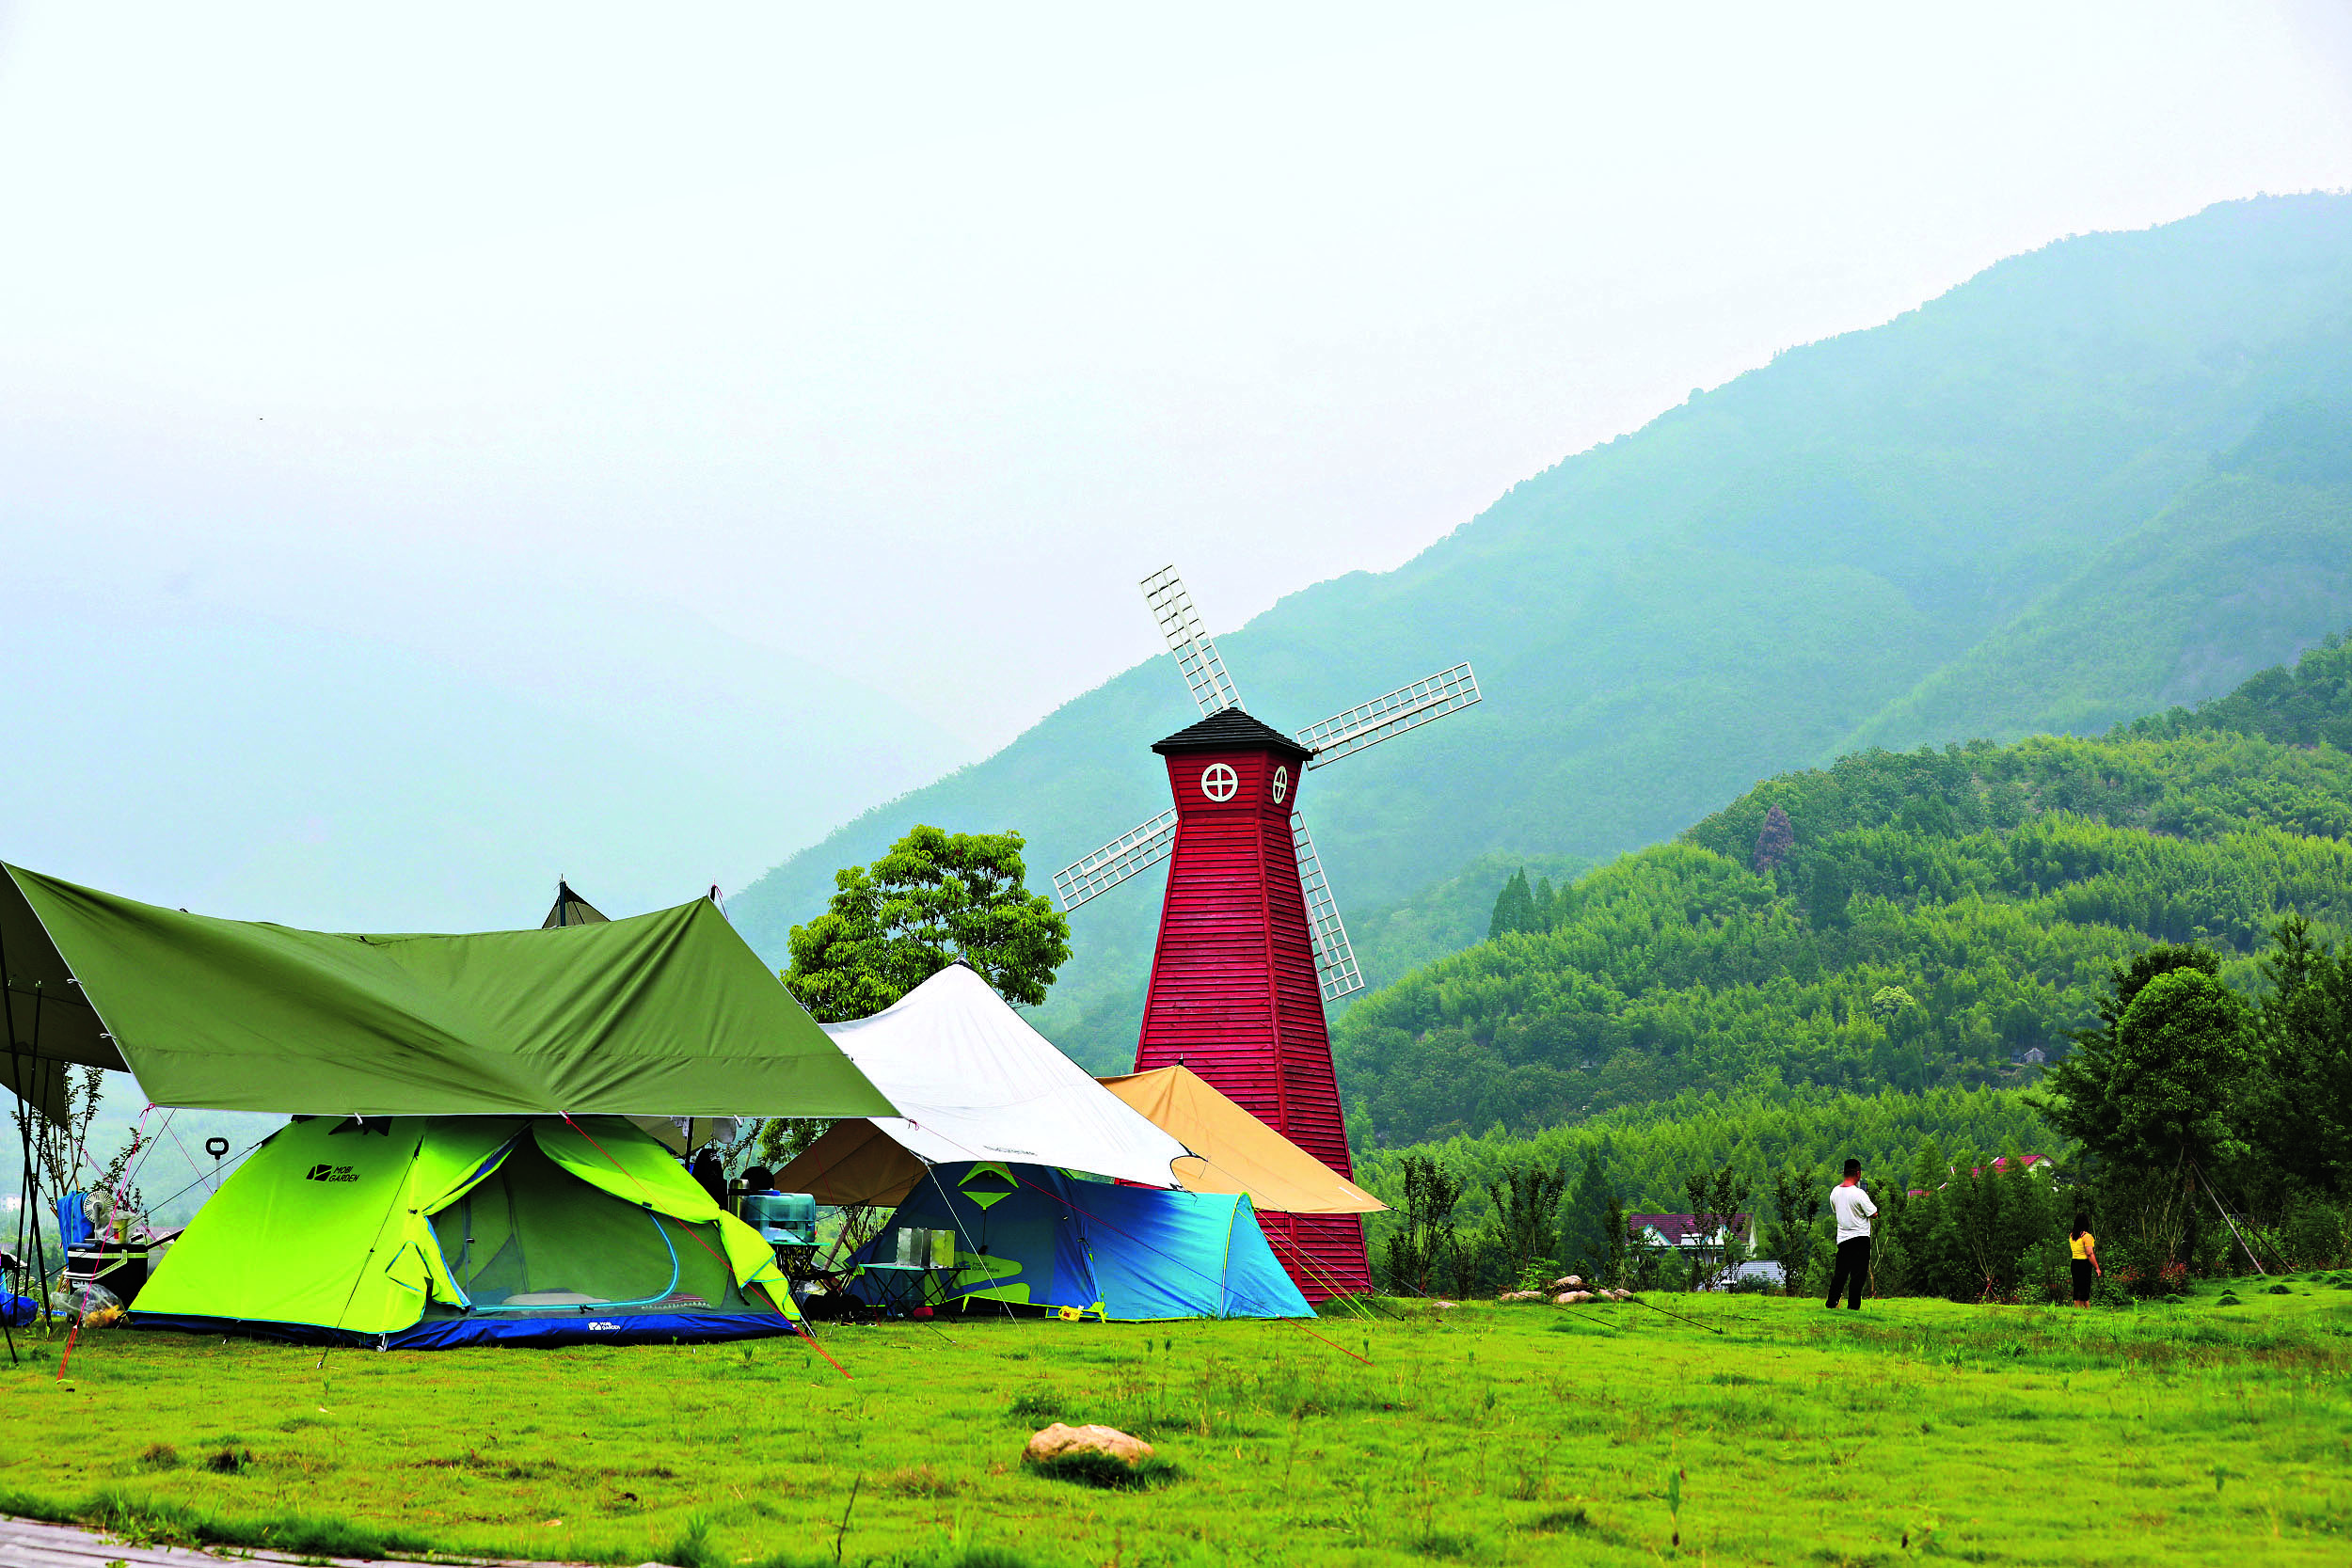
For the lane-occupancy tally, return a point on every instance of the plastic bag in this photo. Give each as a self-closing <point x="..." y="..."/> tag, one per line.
<point x="92" y="1304"/>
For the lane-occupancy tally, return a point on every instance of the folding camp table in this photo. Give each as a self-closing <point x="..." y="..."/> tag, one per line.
<point x="902" y="1287"/>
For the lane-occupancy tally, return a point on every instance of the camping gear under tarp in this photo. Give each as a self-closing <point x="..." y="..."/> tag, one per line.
<point x="1032" y="1236"/>
<point x="972" y="1080"/>
<point x="431" y="1232"/>
<point x="660" y="1014"/>
<point x="1232" y="1151"/>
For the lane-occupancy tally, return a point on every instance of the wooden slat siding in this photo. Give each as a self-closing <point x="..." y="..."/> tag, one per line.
<point x="1233" y="992"/>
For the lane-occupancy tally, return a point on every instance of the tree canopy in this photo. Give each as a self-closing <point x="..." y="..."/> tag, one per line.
<point x="936" y="898"/>
<point x="2302" y="1115"/>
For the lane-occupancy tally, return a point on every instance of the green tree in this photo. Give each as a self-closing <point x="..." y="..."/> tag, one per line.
<point x="1997" y="1213"/>
<point x="936" y="898"/>
<point x="1620" y="1262"/>
<point x="1797" y="1200"/>
<point x="1718" y="1203"/>
<point x="2076" y="1091"/>
<point x="1424" y="1242"/>
<point x="2302" y="1117"/>
<point x="2170" y="1079"/>
<point x="1515" y="908"/>
<point x="1827" y="893"/>
<point x="1591" y="1229"/>
<point x="1527" y="1215"/>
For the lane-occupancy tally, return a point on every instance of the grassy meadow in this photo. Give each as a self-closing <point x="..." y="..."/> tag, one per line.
<point x="1768" y="1431"/>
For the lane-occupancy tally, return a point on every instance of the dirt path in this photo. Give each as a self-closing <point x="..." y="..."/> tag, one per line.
<point x="29" y="1544"/>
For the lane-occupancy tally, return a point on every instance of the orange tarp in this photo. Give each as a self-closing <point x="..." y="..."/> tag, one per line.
<point x="1236" y="1152"/>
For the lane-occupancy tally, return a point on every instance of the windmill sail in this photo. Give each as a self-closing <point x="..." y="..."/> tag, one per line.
<point x="1345" y="733"/>
<point x="1117" y="860"/>
<point x="1196" y="655"/>
<point x="1335" y="960"/>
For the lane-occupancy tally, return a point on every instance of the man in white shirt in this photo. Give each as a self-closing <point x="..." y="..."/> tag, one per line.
<point x="1854" y="1210"/>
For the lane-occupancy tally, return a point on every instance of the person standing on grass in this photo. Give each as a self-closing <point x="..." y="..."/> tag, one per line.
<point x="2085" y="1248"/>
<point x="1854" y="1211"/>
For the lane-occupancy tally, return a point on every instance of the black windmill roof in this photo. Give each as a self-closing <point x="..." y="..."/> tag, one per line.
<point x="1232" y="730"/>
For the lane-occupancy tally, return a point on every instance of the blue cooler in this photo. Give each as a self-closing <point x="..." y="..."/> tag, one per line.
<point x="785" y="1219"/>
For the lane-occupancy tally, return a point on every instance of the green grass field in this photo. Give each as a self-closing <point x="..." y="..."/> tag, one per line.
<point x="2188" y="1433"/>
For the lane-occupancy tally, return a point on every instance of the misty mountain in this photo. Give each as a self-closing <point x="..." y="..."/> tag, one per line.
<point x="2040" y="501"/>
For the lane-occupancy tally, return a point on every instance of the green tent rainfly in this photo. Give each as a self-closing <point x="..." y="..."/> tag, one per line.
<point x="663" y="1014"/>
<point x="421" y="1232"/>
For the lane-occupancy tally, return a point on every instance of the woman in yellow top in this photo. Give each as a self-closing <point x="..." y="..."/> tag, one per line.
<point x="2085" y="1248"/>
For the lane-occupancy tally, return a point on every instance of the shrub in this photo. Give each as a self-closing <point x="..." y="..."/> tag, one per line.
<point x="2313" y="1235"/>
<point x="2136" y="1269"/>
<point x="1036" y="1404"/>
<point x="1560" y="1519"/>
<point x="692" y="1548"/>
<point x="918" y="1480"/>
<point x="159" y="1456"/>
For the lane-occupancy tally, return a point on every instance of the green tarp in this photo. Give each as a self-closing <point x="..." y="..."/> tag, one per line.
<point x="661" y="1014"/>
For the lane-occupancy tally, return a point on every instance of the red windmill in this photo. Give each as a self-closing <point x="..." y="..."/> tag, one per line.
<point x="1250" y="944"/>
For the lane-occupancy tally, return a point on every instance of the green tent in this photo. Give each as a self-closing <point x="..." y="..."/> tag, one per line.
<point x="663" y="1014"/>
<point x="428" y="1231"/>
<point x="570" y="909"/>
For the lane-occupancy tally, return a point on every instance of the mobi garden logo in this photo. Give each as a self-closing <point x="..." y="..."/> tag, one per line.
<point x="330" y="1173"/>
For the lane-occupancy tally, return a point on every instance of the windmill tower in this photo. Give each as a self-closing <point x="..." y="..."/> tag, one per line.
<point x="1250" y="944"/>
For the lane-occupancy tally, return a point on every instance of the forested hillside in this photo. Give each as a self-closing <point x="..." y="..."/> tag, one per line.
<point x="1899" y="919"/>
<point x="2075" y="438"/>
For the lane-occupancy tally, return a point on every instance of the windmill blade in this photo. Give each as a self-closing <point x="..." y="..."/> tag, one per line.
<point x="1117" y="860"/>
<point x="1196" y="655"/>
<point x="1335" y="960"/>
<point x="1345" y="733"/>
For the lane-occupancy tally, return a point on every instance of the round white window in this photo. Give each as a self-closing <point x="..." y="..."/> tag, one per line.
<point x="1282" y="784"/>
<point x="1218" y="782"/>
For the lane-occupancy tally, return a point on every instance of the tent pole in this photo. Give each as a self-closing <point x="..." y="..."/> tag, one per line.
<point x="30" y="1185"/>
<point x="40" y="1253"/>
<point x="23" y="1110"/>
<point x="399" y="1187"/>
<point x="24" y="1056"/>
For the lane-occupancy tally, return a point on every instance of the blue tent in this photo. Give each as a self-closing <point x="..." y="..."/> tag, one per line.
<point x="1031" y="1235"/>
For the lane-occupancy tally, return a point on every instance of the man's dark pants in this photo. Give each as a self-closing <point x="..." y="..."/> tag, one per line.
<point x="1853" y="1267"/>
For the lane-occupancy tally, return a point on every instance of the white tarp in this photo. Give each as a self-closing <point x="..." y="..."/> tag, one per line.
<point x="975" y="1082"/>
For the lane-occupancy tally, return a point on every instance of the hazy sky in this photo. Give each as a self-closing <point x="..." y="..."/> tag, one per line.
<point x="904" y="342"/>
